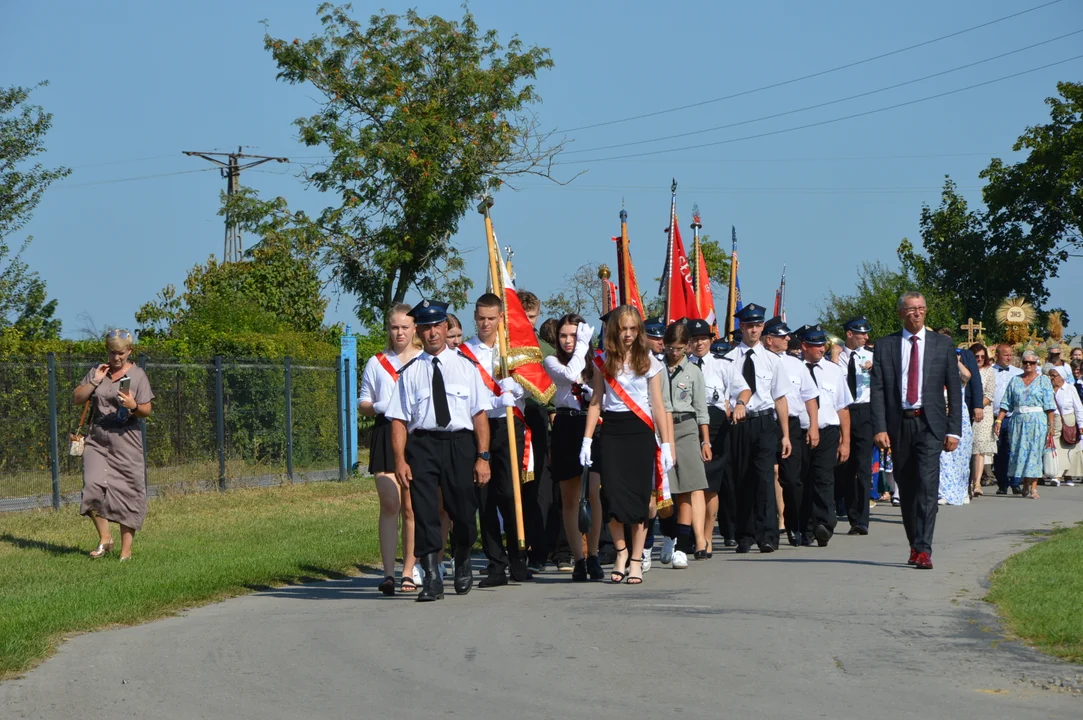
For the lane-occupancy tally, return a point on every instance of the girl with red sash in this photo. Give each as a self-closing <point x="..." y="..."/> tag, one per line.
<point x="377" y="384"/>
<point x="628" y="397"/>
<point x="572" y="371"/>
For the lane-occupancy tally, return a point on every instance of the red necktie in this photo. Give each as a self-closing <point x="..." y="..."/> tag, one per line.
<point x="912" y="373"/>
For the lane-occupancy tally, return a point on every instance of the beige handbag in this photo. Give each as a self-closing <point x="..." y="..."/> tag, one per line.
<point x="78" y="440"/>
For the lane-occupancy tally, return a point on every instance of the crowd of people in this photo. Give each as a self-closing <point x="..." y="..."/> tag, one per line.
<point x="670" y="431"/>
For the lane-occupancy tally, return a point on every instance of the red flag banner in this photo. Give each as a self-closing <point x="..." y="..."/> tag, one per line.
<point x="611" y="294"/>
<point x="524" y="353"/>
<point x="704" y="294"/>
<point x="680" y="294"/>
<point x="629" y="287"/>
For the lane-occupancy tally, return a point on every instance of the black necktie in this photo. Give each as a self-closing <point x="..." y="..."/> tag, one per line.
<point x="851" y="375"/>
<point x="699" y="362"/>
<point x="749" y="372"/>
<point x="811" y="368"/>
<point x="439" y="395"/>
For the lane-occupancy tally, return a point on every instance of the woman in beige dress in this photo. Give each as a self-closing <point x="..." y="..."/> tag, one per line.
<point x="114" y="483"/>
<point x="985" y="443"/>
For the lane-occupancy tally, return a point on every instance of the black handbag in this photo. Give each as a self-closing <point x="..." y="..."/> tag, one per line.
<point x="584" y="502"/>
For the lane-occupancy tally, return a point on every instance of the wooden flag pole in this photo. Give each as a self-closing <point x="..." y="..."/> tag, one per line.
<point x="497" y="280"/>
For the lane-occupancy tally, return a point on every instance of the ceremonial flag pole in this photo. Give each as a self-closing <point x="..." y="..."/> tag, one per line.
<point x="701" y="279"/>
<point x="731" y="305"/>
<point x="497" y="281"/>
<point x="629" y="286"/>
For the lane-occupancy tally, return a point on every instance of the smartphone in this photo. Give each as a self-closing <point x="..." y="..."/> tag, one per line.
<point x="125" y="384"/>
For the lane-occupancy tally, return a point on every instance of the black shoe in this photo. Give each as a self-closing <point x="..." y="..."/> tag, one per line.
<point x="794" y="538"/>
<point x="700" y="554"/>
<point x="1017" y="490"/>
<point x="594" y="568"/>
<point x="728" y="542"/>
<point x="743" y="548"/>
<point x="806" y="541"/>
<point x="767" y="548"/>
<point x="464" y="574"/>
<point x="858" y="530"/>
<point x="519" y="571"/>
<point x="432" y="587"/>
<point x="497" y="578"/>
<point x="822" y="535"/>
<point x="1002" y="491"/>
<point x="579" y="572"/>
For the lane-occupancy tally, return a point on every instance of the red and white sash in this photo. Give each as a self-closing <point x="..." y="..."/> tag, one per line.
<point x="387" y="366"/>
<point x="528" y="448"/>
<point x="661" y="481"/>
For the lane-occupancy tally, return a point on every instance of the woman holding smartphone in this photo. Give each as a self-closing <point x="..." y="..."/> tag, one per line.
<point x="114" y="484"/>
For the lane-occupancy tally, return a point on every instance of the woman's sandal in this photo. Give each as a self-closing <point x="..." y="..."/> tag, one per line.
<point x="387" y="587"/>
<point x="103" y="549"/>
<point x="407" y="585"/>
<point x="633" y="579"/>
<point x="617" y="576"/>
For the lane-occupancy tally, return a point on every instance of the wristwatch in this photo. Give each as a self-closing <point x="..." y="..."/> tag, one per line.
<point x="484" y="456"/>
<point x="740" y="402"/>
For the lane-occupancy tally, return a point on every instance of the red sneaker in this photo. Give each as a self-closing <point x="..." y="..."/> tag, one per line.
<point x="913" y="557"/>
<point x="923" y="561"/>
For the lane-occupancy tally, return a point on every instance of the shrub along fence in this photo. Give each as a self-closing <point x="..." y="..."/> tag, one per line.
<point x="215" y="424"/>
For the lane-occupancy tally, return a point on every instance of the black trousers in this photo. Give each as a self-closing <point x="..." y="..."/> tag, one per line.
<point x="916" y="455"/>
<point x="791" y="475"/>
<point x="442" y="461"/>
<point x="496" y="498"/>
<point x="719" y="473"/>
<point x="538" y="493"/>
<point x="753" y="446"/>
<point x="1000" y="461"/>
<point x="854" y="477"/>
<point x="818" y="503"/>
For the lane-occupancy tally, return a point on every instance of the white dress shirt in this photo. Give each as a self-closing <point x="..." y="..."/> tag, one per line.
<point x="1068" y="402"/>
<point x="834" y="392"/>
<point x="1003" y="377"/>
<point x="376" y="384"/>
<point x="771" y="380"/>
<point x="863" y="376"/>
<point x="715" y="378"/>
<point x="487" y="358"/>
<point x="564" y="376"/>
<point x="801" y="390"/>
<point x="637" y="387"/>
<point x="466" y="394"/>
<point x="905" y="384"/>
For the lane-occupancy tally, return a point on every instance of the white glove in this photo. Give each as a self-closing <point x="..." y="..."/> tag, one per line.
<point x="381" y="407"/>
<point x="510" y="385"/>
<point x="588" y="391"/>
<point x="583" y="334"/>
<point x="667" y="458"/>
<point x="584" y="452"/>
<point x="506" y="400"/>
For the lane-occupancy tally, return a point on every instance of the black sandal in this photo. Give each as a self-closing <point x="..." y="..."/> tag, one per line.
<point x="632" y="579"/>
<point x="618" y="576"/>
<point x="387" y="587"/>
<point x="408" y="581"/>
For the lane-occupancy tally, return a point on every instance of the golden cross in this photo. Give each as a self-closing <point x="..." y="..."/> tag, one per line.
<point x="971" y="328"/>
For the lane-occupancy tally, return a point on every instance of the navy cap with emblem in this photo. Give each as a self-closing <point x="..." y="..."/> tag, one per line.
<point x="429" y="312"/>
<point x="752" y="313"/>
<point x="800" y="332"/>
<point x="720" y="348"/>
<point x="699" y="328"/>
<point x="814" y="335"/>
<point x="776" y="327"/>
<point x="655" y="327"/>
<point x="858" y="325"/>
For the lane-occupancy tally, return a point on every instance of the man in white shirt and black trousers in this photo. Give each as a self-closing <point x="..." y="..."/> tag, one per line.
<point x="754" y="439"/>
<point x="853" y="478"/>
<point x="818" y="517"/>
<point x="440" y="437"/>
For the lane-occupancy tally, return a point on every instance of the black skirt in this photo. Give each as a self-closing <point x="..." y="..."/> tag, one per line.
<point x="628" y="457"/>
<point x="381" y="454"/>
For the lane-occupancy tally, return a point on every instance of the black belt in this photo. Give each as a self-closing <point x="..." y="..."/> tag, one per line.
<point x="683" y="417"/>
<point x="857" y="404"/>
<point x="758" y="413"/>
<point x="916" y="412"/>
<point x="569" y="411"/>
<point x="444" y="434"/>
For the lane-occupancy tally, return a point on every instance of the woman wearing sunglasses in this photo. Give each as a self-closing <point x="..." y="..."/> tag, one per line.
<point x="1029" y="397"/>
<point x="114" y="484"/>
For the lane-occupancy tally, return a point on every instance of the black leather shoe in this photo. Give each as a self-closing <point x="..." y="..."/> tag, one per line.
<point x="822" y="535"/>
<point x="1003" y="491"/>
<point x="579" y="572"/>
<point x="858" y="530"/>
<point x="743" y="548"/>
<point x="767" y="548"/>
<point x="730" y="542"/>
<point x="806" y="541"/>
<point x="519" y="571"/>
<point x="1017" y="490"/>
<point x="494" y="579"/>
<point x="594" y="568"/>
<point x="432" y="587"/>
<point x="464" y="574"/>
<point x="794" y="538"/>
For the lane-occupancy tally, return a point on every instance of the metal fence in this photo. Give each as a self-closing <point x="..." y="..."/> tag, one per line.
<point x="218" y="424"/>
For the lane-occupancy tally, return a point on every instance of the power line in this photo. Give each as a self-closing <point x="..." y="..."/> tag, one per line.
<point x="824" y="104"/>
<point x="811" y="75"/>
<point x="757" y="190"/>
<point x="121" y="162"/>
<point x="824" y="122"/>
<point x="132" y="179"/>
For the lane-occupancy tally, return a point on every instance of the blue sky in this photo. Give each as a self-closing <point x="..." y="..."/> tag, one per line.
<point x="133" y="84"/>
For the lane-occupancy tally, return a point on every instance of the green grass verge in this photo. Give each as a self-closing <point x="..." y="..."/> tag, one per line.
<point x="1040" y="592"/>
<point x="193" y="549"/>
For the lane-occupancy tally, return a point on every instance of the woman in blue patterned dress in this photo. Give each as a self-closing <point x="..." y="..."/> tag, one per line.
<point x="1027" y="397"/>
<point x="955" y="466"/>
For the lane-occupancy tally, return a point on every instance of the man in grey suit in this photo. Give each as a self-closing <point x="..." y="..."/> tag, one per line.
<point x="910" y="372"/>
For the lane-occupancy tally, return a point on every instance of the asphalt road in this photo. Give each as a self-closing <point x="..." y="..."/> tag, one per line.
<point x="847" y="631"/>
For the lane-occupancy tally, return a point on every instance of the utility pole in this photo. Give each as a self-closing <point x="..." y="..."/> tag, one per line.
<point x="231" y="171"/>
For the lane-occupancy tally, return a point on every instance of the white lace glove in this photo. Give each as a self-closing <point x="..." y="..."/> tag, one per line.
<point x="583" y="334"/>
<point x="506" y="400"/>
<point x="510" y="385"/>
<point x="667" y="458"/>
<point x="584" y="452"/>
